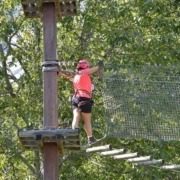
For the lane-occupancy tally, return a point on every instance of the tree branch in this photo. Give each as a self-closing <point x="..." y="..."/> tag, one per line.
<point x="9" y="87"/>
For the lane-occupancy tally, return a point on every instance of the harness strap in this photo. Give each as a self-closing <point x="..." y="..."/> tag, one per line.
<point x="85" y="102"/>
<point x="77" y="90"/>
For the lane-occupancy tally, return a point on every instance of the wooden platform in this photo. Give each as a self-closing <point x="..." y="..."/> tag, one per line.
<point x="64" y="138"/>
<point x="33" y="8"/>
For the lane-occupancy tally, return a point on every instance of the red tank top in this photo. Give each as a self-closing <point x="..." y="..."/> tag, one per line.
<point x="83" y="86"/>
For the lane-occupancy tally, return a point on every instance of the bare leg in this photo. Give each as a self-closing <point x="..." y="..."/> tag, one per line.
<point x="76" y="118"/>
<point x="87" y="123"/>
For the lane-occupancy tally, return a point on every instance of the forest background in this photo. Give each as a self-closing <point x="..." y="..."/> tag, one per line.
<point x="133" y="32"/>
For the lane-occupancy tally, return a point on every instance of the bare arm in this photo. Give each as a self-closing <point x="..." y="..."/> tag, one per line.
<point x="94" y="69"/>
<point x="66" y="74"/>
<point x="98" y="69"/>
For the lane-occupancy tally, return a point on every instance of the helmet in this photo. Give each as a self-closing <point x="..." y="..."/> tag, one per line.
<point x="83" y="64"/>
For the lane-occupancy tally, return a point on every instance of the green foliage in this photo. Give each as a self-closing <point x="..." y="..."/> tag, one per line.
<point x="122" y="32"/>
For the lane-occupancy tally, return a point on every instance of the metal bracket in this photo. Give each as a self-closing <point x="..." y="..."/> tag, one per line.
<point x="50" y="65"/>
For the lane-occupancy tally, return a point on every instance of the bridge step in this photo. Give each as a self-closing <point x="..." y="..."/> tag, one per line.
<point x="118" y="154"/>
<point x="150" y="162"/>
<point x="99" y="148"/>
<point x="113" y="152"/>
<point x="171" y="166"/>
<point x="139" y="159"/>
<point x="125" y="156"/>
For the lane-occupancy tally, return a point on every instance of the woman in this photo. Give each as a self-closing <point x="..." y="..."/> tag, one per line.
<point x="82" y="99"/>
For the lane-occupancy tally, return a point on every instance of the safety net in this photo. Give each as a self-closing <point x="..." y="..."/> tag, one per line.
<point x="143" y="102"/>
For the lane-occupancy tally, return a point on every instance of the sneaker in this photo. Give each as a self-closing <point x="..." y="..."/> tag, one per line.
<point x="91" y="140"/>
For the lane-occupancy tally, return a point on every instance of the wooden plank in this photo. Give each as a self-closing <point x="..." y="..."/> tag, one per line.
<point x="68" y="8"/>
<point x="73" y="148"/>
<point x="26" y="132"/>
<point x="33" y="8"/>
<point x="113" y="152"/>
<point x="139" y="159"/>
<point x="125" y="156"/>
<point x="50" y="139"/>
<point x="33" y="139"/>
<point x="171" y="167"/>
<point x="99" y="148"/>
<point x="60" y="143"/>
<point x="69" y="146"/>
<point x="151" y="162"/>
<point x="49" y="134"/>
<point x="49" y="1"/>
<point x="38" y="1"/>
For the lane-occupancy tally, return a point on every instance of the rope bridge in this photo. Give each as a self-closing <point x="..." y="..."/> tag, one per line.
<point x="143" y="102"/>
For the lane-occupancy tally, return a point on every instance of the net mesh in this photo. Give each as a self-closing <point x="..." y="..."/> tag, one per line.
<point x="143" y="102"/>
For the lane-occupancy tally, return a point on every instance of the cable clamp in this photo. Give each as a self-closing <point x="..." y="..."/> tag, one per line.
<point x="50" y="65"/>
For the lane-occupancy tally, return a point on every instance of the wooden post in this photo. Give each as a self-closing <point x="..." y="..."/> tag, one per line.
<point x="49" y="10"/>
<point x="50" y="150"/>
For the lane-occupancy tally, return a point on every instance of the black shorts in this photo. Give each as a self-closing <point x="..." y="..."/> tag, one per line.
<point x="84" y="104"/>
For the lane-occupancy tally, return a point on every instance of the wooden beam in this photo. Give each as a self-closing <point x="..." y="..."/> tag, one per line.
<point x="33" y="8"/>
<point x="113" y="152"/>
<point x="125" y="156"/>
<point x="99" y="148"/>
<point x="68" y="7"/>
<point x="49" y="132"/>
<point x="64" y="138"/>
